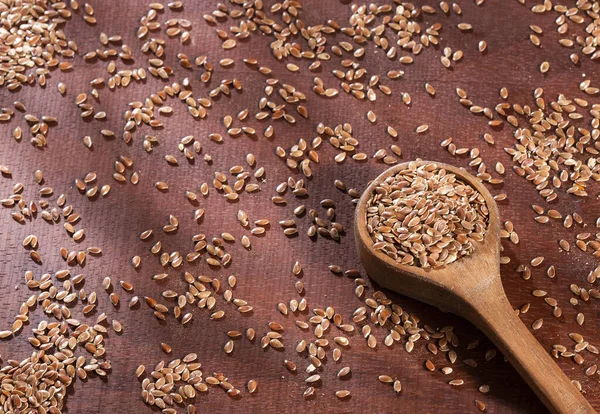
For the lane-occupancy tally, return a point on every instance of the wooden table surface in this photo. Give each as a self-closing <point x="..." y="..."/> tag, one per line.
<point x="264" y="273"/>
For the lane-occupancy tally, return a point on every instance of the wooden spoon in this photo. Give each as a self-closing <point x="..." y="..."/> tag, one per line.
<point x="471" y="288"/>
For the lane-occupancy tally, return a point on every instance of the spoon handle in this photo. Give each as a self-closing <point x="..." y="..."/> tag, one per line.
<point x="497" y="319"/>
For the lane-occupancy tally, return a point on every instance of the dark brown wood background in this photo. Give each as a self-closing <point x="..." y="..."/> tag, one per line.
<point x="264" y="273"/>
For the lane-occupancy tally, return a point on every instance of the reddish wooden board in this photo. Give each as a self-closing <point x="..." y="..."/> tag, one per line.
<point x="264" y="274"/>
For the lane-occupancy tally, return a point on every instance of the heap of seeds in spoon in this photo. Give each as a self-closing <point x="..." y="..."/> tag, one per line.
<point x="426" y="216"/>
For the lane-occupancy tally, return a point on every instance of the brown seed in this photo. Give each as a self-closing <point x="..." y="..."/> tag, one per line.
<point x="290" y="365"/>
<point x="309" y="392"/>
<point x="229" y="44"/>
<point x="331" y="92"/>
<point x="292" y="67"/>
<point x="422" y="128"/>
<point x="161" y="185"/>
<point x="386" y="379"/>
<point x="430" y="89"/>
<point x="537" y="261"/>
<point x="312" y="379"/>
<point x="343" y="372"/>
<point x="117" y="326"/>
<point x="126" y="285"/>
<point x="342" y="394"/>
<point x="371" y="116"/>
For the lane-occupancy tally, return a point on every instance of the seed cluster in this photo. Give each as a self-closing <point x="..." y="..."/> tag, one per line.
<point x="39" y="383"/>
<point x="31" y="41"/>
<point x="425" y="216"/>
<point x="179" y="381"/>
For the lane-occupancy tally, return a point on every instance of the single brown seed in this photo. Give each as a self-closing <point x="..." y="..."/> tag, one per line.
<point x="537" y="261"/>
<point x="343" y="372"/>
<point x="117" y="326"/>
<point x="386" y="379"/>
<point x="229" y="44"/>
<point x="422" y="128"/>
<point x="312" y="379"/>
<point x="309" y="392"/>
<point x="342" y="394"/>
<point x="371" y="116"/>
<point x="290" y="365"/>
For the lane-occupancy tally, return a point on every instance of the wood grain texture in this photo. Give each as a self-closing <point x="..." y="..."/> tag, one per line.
<point x="264" y="274"/>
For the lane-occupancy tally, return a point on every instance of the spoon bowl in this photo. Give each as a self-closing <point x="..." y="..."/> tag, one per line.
<point x="471" y="288"/>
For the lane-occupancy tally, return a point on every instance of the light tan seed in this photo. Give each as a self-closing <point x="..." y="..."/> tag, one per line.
<point x="430" y="89"/>
<point x="343" y="372"/>
<point x="229" y="44"/>
<point x="342" y="394"/>
<point x="537" y="261"/>
<point x="386" y="379"/>
<point x="312" y="379"/>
